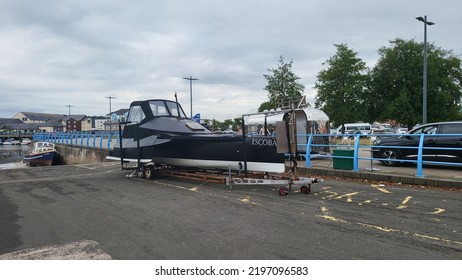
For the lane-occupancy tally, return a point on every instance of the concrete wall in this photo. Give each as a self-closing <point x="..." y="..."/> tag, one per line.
<point x="78" y="155"/>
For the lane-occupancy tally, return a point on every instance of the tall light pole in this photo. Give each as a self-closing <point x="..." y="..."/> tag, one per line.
<point x="69" y="106"/>
<point x="69" y="116"/>
<point x="110" y="111"/>
<point x="190" y="89"/>
<point x="424" y="91"/>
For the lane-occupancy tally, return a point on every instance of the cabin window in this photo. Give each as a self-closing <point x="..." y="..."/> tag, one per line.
<point x="158" y="108"/>
<point x="176" y="110"/>
<point x="136" y="114"/>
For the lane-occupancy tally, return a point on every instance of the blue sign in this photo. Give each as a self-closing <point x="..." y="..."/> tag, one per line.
<point x="197" y="118"/>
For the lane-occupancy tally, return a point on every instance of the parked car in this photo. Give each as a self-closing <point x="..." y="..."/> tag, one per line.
<point x="401" y="130"/>
<point x="408" y="144"/>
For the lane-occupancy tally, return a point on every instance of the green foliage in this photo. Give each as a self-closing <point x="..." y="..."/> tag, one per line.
<point x="341" y="87"/>
<point x="214" y="124"/>
<point x="267" y="105"/>
<point x="395" y="91"/>
<point x="282" y="85"/>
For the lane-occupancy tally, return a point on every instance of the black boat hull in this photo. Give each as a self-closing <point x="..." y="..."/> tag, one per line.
<point x="221" y="152"/>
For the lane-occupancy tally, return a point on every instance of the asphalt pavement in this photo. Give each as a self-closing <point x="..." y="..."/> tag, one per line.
<point x="94" y="211"/>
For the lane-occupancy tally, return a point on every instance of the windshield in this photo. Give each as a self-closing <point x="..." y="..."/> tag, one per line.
<point x="161" y="108"/>
<point x="430" y="129"/>
<point x="173" y="107"/>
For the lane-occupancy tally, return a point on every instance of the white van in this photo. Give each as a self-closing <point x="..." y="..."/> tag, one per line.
<point x="354" y="128"/>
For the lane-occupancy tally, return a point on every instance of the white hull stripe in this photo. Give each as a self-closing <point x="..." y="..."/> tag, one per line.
<point x="233" y="165"/>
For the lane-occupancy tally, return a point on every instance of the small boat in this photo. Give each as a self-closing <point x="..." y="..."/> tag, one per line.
<point x="25" y="141"/>
<point x="158" y="131"/>
<point x="42" y="154"/>
<point x="11" y="141"/>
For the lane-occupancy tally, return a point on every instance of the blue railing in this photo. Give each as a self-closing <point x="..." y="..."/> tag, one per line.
<point x="107" y="140"/>
<point x="356" y="145"/>
<point x="94" y="139"/>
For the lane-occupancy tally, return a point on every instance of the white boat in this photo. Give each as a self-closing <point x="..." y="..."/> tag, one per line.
<point x="25" y="141"/>
<point x="11" y="141"/>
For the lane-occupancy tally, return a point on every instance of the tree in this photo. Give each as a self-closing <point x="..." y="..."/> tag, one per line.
<point x="282" y="85"/>
<point x="341" y="87"/>
<point x="395" y="90"/>
<point x="267" y="105"/>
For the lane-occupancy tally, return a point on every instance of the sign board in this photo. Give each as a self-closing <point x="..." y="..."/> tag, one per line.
<point x="197" y="118"/>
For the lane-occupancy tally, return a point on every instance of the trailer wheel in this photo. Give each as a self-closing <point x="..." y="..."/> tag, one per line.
<point x="305" y="189"/>
<point x="140" y="174"/>
<point x="149" y="172"/>
<point x="283" y="191"/>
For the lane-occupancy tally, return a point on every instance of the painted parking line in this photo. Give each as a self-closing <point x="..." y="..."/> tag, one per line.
<point x="348" y="196"/>
<point x="247" y="200"/>
<point x="328" y="216"/>
<point x="438" y="211"/>
<point x="380" y="188"/>
<point x="404" y="203"/>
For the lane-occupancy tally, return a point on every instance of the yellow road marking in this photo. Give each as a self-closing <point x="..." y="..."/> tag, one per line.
<point x="326" y="215"/>
<point x="437" y="238"/>
<point x="403" y="204"/>
<point x="438" y="211"/>
<point x="385" y="229"/>
<point x="348" y="196"/>
<point x="380" y="189"/>
<point x="365" y="202"/>
<point x="247" y="200"/>
<point x="330" y="196"/>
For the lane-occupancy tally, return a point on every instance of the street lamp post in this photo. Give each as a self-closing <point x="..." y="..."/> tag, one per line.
<point x="69" y="126"/>
<point x="69" y="106"/>
<point x="424" y="91"/>
<point x="190" y="90"/>
<point x="110" y="111"/>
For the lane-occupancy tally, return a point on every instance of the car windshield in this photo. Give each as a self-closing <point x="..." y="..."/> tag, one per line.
<point x="431" y="129"/>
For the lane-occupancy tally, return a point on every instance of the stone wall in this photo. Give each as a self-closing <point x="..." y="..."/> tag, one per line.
<point x="79" y="155"/>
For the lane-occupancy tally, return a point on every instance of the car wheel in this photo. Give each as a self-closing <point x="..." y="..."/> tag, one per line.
<point x="391" y="155"/>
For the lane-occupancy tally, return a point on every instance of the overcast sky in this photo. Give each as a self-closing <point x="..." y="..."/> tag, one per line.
<point x="58" y="53"/>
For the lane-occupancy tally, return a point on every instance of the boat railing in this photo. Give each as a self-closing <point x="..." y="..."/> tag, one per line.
<point x="89" y="139"/>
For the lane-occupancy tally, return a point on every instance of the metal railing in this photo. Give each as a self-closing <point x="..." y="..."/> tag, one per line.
<point x="107" y="140"/>
<point x="94" y="139"/>
<point x="353" y="142"/>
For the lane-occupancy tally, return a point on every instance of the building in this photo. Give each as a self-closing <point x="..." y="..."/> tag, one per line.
<point x="8" y="126"/>
<point x="57" y="122"/>
<point x="77" y="123"/>
<point x="29" y="117"/>
<point x="97" y="122"/>
<point x="114" y="119"/>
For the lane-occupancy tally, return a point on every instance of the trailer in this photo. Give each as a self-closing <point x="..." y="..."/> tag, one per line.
<point x="286" y="181"/>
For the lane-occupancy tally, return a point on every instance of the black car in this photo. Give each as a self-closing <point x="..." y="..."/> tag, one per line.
<point x="436" y="138"/>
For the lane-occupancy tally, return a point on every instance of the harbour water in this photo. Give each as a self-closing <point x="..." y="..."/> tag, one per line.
<point x="11" y="156"/>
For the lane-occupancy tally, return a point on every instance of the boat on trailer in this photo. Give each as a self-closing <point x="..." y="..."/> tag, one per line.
<point x="158" y="131"/>
<point x="162" y="140"/>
